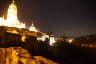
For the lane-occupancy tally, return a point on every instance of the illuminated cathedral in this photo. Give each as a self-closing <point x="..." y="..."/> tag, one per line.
<point x="12" y="21"/>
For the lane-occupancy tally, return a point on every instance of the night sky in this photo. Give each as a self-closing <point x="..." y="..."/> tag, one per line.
<point x="71" y="17"/>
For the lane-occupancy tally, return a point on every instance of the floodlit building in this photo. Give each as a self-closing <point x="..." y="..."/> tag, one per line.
<point x="12" y="21"/>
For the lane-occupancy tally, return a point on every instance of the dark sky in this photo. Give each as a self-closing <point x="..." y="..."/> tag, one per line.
<point x="70" y="17"/>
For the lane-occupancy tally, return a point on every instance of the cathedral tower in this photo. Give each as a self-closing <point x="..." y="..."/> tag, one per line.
<point x="12" y="13"/>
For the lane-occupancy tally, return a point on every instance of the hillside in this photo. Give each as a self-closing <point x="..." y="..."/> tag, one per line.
<point x="19" y="46"/>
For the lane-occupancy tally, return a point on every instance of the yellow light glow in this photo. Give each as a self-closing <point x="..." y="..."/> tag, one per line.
<point x="23" y="38"/>
<point x="70" y="40"/>
<point x="13" y="31"/>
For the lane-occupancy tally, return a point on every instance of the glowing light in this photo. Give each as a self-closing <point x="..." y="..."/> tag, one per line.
<point x="86" y="45"/>
<point x="13" y="31"/>
<point x="12" y="13"/>
<point x="23" y="38"/>
<point x="52" y="40"/>
<point x="90" y="45"/>
<point x="1" y="21"/>
<point x="70" y="40"/>
<point x="82" y="45"/>
<point x="33" y="28"/>
<point x="43" y="38"/>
